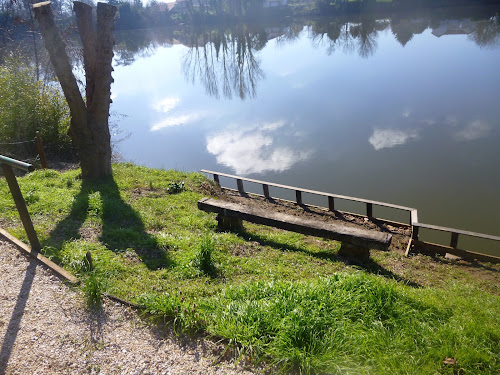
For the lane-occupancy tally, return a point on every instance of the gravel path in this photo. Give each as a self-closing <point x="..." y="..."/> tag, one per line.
<point x="46" y="329"/>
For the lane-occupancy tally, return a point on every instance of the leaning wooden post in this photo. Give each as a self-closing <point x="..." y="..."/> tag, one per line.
<point x="21" y="207"/>
<point x="41" y="152"/>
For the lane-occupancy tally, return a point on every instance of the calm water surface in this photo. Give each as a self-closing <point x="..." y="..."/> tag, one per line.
<point x="363" y="112"/>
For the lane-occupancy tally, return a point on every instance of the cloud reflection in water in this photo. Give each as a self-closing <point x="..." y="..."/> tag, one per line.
<point x="254" y="150"/>
<point x="388" y="138"/>
<point x="474" y="130"/>
<point x="166" y="104"/>
<point x="180" y="120"/>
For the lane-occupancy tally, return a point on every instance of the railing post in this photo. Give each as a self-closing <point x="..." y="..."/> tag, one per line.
<point x="415" y="233"/>
<point x="298" y="196"/>
<point x="41" y="152"/>
<point x="331" y="204"/>
<point x="240" y="186"/>
<point x="369" y="210"/>
<point x="21" y="207"/>
<point x="265" y="187"/>
<point x="454" y="240"/>
<point x="216" y="179"/>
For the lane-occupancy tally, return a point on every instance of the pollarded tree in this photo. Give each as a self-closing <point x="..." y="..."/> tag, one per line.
<point x="89" y="128"/>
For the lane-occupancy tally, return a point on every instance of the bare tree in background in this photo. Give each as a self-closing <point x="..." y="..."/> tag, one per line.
<point x="89" y="128"/>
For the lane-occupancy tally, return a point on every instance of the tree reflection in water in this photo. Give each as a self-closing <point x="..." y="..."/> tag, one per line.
<point x="225" y="62"/>
<point x="224" y="59"/>
<point x="349" y="34"/>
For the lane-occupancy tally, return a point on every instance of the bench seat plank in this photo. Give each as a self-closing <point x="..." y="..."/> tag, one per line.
<point x="337" y="231"/>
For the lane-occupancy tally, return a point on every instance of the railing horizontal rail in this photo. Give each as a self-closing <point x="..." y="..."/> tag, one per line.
<point x="16" y="164"/>
<point x="457" y="231"/>
<point x="297" y="189"/>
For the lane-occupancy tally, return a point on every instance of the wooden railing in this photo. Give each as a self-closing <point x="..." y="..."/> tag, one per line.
<point x="454" y="235"/>
<point x="413" y="222"/>
<point x="7" y="164"/>
<point x="299" y="191"/>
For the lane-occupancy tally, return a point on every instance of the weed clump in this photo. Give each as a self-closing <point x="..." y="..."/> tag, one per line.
<point x="92" y="288"/>
<point x="204" y="259"/>
<point x="175" y="187"/>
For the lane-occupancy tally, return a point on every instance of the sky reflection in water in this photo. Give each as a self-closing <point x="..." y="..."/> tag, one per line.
<point x="417" y="125"/>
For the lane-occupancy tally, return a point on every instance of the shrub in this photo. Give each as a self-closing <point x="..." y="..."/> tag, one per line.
<point x="28" y="105"/>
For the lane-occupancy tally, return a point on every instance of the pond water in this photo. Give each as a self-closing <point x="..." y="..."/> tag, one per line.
<point x="404" y="110"/>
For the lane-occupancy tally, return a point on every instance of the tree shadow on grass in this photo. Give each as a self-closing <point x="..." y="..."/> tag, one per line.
<point x="367" y="264"/>
<point x="122" y="227"/>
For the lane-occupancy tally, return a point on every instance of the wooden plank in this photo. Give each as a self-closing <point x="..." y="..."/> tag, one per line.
<point x="432" y="248"/>
<point x="21" y="206"/>
<point x="384" y="221"/>
<point x="345" y="197"/>
<point x="35" y="254"/>
<point x="458" y="231"/>
<point x="337" y="231"/>
<point x="408" y="247"/>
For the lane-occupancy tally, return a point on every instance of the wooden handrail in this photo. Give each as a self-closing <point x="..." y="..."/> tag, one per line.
<point x="297" y="189"/>
<point x="16" y="164"/>
<point x="457" y="231"/>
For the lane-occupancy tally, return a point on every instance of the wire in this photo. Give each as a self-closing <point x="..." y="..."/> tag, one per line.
<point x="16" y="143"/>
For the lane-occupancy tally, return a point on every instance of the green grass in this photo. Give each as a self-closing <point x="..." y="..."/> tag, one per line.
<point x="276" y="298"/>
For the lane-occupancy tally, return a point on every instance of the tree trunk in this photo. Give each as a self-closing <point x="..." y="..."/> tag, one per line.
<point x="89" y="128"/>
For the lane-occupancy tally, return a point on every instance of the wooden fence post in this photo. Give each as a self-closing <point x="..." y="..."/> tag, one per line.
<point x="21" y="207"/>
<point x="331" y="204"/>
<point x="41" y="152"/>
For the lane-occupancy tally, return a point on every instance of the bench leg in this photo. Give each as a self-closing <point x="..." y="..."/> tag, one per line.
<point x="229" y="223"/>
<point x="351" y="251"/>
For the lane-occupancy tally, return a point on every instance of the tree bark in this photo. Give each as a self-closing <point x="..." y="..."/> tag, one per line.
<point x="89" y="128"/>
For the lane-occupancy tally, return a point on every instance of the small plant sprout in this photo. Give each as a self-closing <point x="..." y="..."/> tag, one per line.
<point x="175" y="187"/>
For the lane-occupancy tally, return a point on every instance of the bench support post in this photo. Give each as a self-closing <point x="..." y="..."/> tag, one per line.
<point x="352" y="251"/>
<point x="229" y="223"/>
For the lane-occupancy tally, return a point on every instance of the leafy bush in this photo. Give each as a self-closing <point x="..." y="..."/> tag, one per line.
<point x="28" y="105"/>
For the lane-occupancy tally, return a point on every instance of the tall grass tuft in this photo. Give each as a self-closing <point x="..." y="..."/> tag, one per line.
<point x="204" y="258"/>
<point x="92" y="286"/>
<point x="92" y="289"/>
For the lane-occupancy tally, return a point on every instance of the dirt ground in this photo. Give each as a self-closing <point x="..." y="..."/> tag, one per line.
<point x="45" y="328"/>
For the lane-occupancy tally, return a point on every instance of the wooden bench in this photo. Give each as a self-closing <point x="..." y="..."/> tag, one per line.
<point x="230" y="216"/>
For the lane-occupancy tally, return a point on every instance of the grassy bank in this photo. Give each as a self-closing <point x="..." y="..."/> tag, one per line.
<point x="277" y="298"/>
